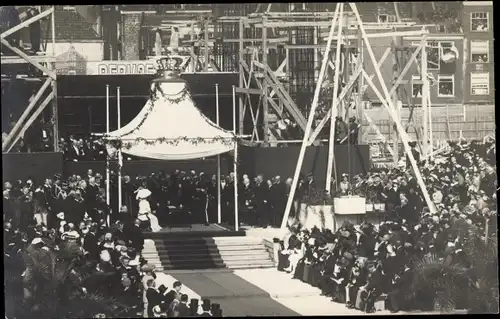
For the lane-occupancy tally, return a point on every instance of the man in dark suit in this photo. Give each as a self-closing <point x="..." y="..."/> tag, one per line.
<point x="310" y="184"/>
<point x="91" y="195"/>
<point x="414" y="152"/>
<point x="206" y="306"/>
<point x="367" y="242"/>
<point x="262" y="201"/>
<point x="391" y="197"/>
<point x="128" y="196"/>
<point x="278" y="199"/>
<point x="212" y="200"/>
<point x="153" y="296"/>
<point x="183" y="308"/>
<point x="369" y="292"/>
<point x="353" y="131"/>
<point x="247" y="199"/>
<point x="340" y="130"/>
<point x="134" y="236"/>
<point x="400" y="282"/>
<point x="90" y="243"/>
<point x="76" y="208"/>
<point x="325" y="282"/>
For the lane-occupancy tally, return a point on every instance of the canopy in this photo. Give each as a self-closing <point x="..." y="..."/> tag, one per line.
<point x="170" y="127"/>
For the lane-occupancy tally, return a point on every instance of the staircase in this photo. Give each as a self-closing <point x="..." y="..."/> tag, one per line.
<point x="206" y="253"/>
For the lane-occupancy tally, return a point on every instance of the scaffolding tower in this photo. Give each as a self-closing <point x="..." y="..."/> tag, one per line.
<point x="14" y="59"/>
<point x="388" y="97"/>
<point x="278" y="64"/>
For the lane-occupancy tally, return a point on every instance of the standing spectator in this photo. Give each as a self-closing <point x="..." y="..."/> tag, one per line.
<point x="40" y="206"/>
<point x="278" y="198"/>
<point x="261" y="202"/>
<point x="153" y="297"/>
<point x="76" y="207"/>
<point x="183" y="307"/>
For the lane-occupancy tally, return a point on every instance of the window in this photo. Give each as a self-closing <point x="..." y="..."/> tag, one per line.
<point x="479" y="51"/>
<point x="444" y="48"/>
<point x="480" y="83"/>
<point x="416" y="86"/>
<point x="446" y="85"/>
<point x="479" y="21"/>
<point x="386" y="18"/>
<point x="433" y="55"/>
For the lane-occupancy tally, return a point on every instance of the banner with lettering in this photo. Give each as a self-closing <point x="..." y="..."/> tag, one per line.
<point x="136" y="67"/>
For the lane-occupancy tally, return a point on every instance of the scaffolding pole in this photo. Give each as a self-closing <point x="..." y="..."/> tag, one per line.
<point x="310" y="120"/>
<point x="335" y="102"/>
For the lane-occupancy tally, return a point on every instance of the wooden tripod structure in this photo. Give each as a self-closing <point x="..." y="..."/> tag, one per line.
<point x="45" y="64"/>
<point x="386" y="97"/>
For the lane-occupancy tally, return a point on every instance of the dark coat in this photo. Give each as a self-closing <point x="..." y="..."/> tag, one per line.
<point x="91" y="245"/>
<point x="261" y="193"/>
<point x="184" y="310"/>
<point x="76" y="210"/>
<point x="375" y="281"/>
<point x="154" y="299"/>
<point x="392" y="196"/>
<point x="134" y="234"/>
<point x="278" y="195"/>
<point x="366" y="246"/>
<point x="247" y="196"/>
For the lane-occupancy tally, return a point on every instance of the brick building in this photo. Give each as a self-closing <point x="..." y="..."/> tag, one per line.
<point x="479" y="54"/>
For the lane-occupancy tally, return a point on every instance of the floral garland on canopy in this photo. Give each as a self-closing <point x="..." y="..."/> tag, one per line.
<point x="181" y="96"/>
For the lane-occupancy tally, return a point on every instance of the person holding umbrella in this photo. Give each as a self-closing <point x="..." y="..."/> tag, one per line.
<point x="145" y="213"/>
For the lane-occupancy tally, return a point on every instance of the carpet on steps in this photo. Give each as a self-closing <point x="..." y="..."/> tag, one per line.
<point x="199" y="253"/>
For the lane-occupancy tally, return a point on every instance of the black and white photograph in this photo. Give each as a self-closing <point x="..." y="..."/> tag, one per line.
<point x="249" y="159"/>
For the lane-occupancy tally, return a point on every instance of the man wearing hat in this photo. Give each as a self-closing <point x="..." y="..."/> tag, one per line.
<point x="414" y="152"/>
<point x="206" y="306"/>
<point x="353" y="130"/>
<point x="341" y="130"/>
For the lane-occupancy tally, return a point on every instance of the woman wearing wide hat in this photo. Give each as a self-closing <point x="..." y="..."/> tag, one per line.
<point x="145" y="214"/>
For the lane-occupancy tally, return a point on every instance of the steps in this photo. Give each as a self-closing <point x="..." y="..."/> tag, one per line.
<point x="207" y="253"/>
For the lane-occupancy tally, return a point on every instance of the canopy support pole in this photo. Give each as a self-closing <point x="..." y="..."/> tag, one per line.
<point x="219" y="207"/>
<point x="235" y="164"/>
<point x="120" y="155"/>
<point x="107" y="158"/>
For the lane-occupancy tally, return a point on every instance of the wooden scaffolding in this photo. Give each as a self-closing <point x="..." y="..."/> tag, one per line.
<point x="46" y="77"/>
<point x="279" y="61"/>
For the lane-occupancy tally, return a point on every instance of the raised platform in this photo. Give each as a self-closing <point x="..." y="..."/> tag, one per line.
<point x="195" y="231"/>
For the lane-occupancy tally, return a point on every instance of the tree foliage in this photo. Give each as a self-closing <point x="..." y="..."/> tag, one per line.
<point x="469" y="282"/>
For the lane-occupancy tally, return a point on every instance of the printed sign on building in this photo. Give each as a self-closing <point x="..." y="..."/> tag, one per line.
<point x="138" y="67"/>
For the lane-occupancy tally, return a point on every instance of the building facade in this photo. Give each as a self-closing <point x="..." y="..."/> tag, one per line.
<point x="479" y="54"/>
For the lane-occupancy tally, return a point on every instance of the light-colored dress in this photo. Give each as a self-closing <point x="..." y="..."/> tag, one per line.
<point x="145" y="213"/>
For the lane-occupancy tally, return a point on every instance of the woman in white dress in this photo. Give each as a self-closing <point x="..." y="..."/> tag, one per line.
<point x="296" y="254"/>
<point x="145" y="210"/>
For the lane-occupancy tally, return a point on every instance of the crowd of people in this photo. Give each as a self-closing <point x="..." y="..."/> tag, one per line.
<point x="57" y="221"/>
<point x="355" y="264"/>
<point x="360" y="265"/>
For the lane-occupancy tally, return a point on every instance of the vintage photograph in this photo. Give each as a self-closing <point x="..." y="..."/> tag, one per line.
<point x="249" y="159"/>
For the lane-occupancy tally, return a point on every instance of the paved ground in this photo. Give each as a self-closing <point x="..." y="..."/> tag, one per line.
<point x="259" y="292"/>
